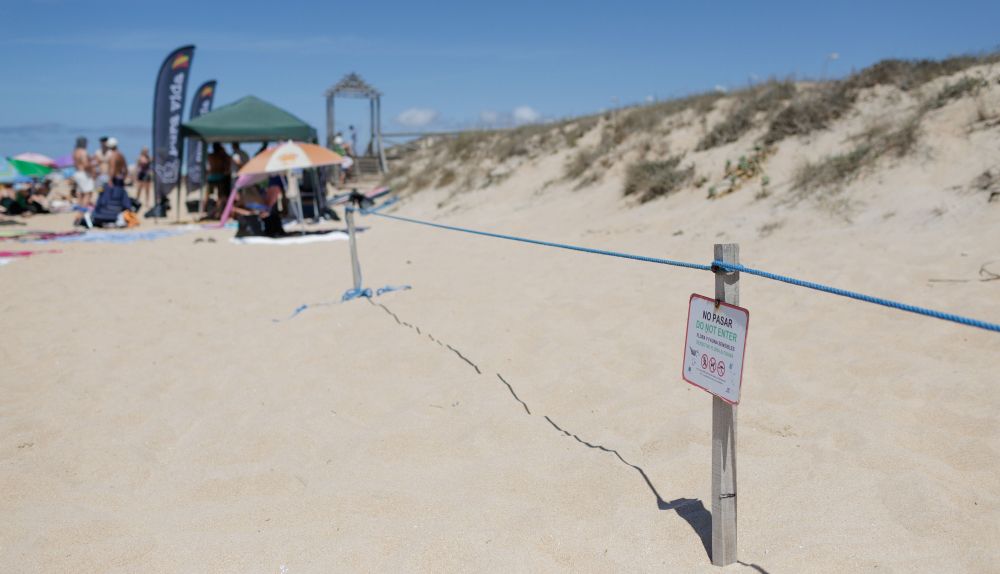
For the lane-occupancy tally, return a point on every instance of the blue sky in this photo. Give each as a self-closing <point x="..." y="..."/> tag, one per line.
<point x="88" y="67"/>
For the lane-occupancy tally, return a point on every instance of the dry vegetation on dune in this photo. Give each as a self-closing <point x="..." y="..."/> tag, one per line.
<point x="744" y="128"/>
<point x="764" y="99"/>
<point x="651" y="179"/>
<point x="881" y="140"/>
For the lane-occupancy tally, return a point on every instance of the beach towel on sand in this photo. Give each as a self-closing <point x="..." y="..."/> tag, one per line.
<point x="8" y="256"/>
<point x="292" y="239"/>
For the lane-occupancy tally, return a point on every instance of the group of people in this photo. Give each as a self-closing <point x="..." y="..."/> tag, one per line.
<point x="99" y="182"/>
<point x="105" y="168"/>
<point x="98" y="185"/>
<point x="24" y="199"/>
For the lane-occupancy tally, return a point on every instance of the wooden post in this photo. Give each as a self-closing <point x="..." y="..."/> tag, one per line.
<point x="355" y="265"/>
<point x="371" y="124"/>
<point x="203" y="190"/>
<point x="727" y="289"/>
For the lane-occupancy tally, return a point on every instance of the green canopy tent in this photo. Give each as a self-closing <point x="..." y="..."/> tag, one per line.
<point x="251" y="119"/>
<point x="248" y="119"/>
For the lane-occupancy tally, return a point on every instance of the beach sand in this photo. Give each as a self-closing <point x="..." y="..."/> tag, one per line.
<point x="521" y="408"/>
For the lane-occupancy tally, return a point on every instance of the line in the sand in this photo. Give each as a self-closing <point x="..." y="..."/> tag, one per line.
<point x="463" y="357"/>
<point x="517" y="398"/>
<point x="661" y="503"/>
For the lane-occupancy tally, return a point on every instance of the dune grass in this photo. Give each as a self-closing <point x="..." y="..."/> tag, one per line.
<point x="766" y="98"/>
<point x="876" y="142"/>
<point x="779" y="108"/>
<point x="648" y="180"/>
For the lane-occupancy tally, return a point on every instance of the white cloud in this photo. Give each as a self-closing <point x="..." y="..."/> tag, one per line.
<point x="417" y="117"/>
<point x="721" y="89"/>
<point x="526" y="115"/>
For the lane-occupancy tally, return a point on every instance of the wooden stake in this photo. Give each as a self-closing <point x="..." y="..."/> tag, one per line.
<point x="355" y="265"/>
<point x="727" y="289"/>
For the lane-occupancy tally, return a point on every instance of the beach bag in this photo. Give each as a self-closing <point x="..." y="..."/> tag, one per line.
<point x="131" y="219"/>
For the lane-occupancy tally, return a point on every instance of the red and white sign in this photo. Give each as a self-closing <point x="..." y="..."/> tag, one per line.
<point x="715" y="346"/>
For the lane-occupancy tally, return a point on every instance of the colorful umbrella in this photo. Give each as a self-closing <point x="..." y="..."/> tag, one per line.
<point x="287" y="157"/>
<point x="290" y="155"/>
<point x="29" y="168"/>
<point x="64" y="161"/>
<point x="38" y="158"/>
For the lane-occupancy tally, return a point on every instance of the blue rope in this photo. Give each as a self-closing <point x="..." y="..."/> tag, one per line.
<point x="390" y="288"/>
<point x="720" y="265"/>
<point x="302" y="308"/>
<point x="380" y="207"/>
<point x="367" y="292"/>
<point x="860" y="297"/>
<point x="552" y="244"/>
<point x="354" y="293"/>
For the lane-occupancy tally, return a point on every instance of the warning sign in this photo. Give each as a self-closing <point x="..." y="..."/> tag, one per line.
<point x="714" y="347"/>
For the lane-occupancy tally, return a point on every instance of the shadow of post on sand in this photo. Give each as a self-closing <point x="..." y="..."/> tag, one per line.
<point x="692" y="510"/>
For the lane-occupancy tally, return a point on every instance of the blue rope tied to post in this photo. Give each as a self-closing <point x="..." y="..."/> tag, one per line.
<point x="552" y="243"/>
<point x="354" y="293"/>
<point x="967" y="321"/>
<point x="860" y="296"/>
<point x="367" y="292"/>
<point x="380" y="207"/>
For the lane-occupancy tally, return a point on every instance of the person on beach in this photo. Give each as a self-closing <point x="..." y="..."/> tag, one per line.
<point x="101" y="168"/>
<point x="345" y="163"/>
<point x="117" y="166"/>
<point x="257" y="213"/>
<point x="83" y="177"/>
<point x="143" y="176"/>
<point x="354" y="141"/>
<point x="219" y="176"/>
<point x="26" y="200"/>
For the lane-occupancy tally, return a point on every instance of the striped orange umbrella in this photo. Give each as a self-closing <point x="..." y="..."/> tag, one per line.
<point x="288" y="156"/>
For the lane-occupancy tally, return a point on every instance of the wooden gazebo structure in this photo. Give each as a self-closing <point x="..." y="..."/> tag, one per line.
<point x="353" y="86"/>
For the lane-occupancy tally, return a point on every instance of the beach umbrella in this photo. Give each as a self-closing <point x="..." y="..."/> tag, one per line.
<point x="29" y="168"/>
<point x="38" y="158"/>
<point x="64" y="161"/>
<point x="288" y="156"/>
